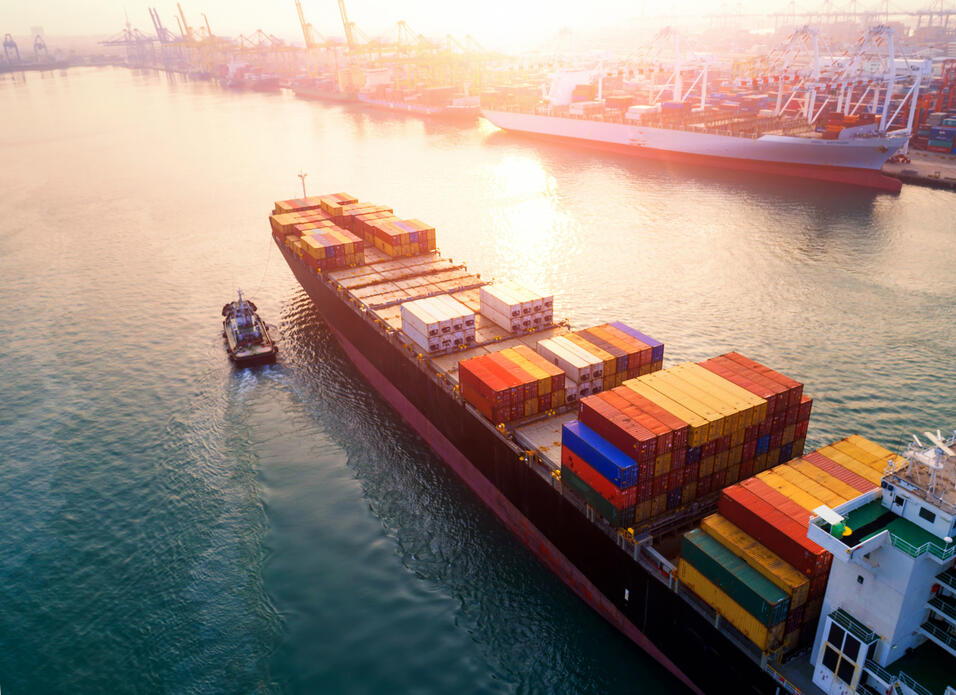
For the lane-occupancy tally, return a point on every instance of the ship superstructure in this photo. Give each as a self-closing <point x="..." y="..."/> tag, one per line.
<point x="889" y="614"/>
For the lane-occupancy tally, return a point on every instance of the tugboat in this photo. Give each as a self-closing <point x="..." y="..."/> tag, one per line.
<point x="246" y="335"/>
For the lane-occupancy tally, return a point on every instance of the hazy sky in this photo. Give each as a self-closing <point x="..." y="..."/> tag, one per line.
<point x="496" y="23"/>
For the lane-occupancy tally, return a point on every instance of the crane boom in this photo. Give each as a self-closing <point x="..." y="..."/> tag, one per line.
<point x="307" y="32"/>
<point x="188" y="31"/>
<point x="347" y="25"/>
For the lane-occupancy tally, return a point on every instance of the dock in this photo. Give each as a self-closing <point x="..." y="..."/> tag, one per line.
<point x="925" y="169"/>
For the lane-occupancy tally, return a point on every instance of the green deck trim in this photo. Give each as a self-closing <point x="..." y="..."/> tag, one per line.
<point x="929" y="665"/>
<point x="853" y="626"/>
<point x="904" y="535"/>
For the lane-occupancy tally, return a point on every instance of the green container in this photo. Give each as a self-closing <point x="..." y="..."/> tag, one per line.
<point x="755" y="593"/>
<point x="594" y="498"/>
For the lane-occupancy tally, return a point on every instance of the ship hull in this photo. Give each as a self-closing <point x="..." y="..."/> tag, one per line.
<point x="855" y="162"/>
<point x="619" y="588"/>
<point x="452" y="113"/>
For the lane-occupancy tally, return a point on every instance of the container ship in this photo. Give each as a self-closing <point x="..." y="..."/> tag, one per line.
<point x="678" y="502"/>
<point x="381" y="90"/>
<point x="837" y="122"/>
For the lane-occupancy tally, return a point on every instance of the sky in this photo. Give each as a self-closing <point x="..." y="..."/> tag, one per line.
<point x="497" y="24"/>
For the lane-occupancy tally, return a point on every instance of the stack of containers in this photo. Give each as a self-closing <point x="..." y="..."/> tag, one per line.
<point x="297" y="205"/>
<point x="399" y="238"/>
<point x="333" y="203"/>
<point x="774" y="509"/>
<point x="747" y="599"/>
<point x="941" y="139"/>
<point x="691" y="431"/>
<point x="782" y="436"/>
<point x="770" y="565"/>
<point x="438" y="323"/>
<point x="601" y="358"/>
<point x="329" y="248"/>
<point x="516" y="308"/>
<point x="511" y="384"/>
<point x="293" y="223"/>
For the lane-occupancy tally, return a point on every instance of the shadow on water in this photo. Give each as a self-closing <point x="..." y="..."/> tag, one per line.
<point x="535" y="634"/>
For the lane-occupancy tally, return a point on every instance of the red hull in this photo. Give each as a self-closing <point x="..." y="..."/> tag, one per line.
<point x="867" y="178"/>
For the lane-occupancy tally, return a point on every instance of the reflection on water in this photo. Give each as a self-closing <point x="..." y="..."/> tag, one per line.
<point x="175" y="523"/>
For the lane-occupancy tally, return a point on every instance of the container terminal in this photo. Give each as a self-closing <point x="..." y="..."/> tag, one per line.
<point x="678" y="502"/>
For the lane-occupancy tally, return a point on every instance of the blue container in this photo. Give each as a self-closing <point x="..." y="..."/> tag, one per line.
<point x="786" y="452"/>
<point x="674" y="498"/>
<point x="763" y="444"/>
<point x="657" y="347"/>
<point x="693" y="455"/>
<point x="942" y="133"/>
<point x="600" y="454"/>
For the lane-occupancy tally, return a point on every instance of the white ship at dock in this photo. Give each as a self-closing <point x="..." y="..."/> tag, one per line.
<point x="781" y="141"/>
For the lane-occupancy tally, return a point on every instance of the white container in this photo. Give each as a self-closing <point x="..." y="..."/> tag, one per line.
<point x="430" y="345"/>
<point x="417" y="316"/>
<point x="597" y="364"/>
<point x="570" y="390"/>
<point x="576" y="367"/>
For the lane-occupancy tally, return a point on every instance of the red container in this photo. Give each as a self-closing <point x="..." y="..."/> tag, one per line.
<point x="636" y="405"/>
<point x="793" y="413"/>
<point x="777" y="500"/>
<point x="691" y="472"/>
<point x="857" y="482"/>
<point x="660" y="485"/>
<point x="674" y="479"/>
<point x="617" y="428"/>
<point x="746" y="468"/>
<point x="801" y="430"/>
<point x="775" y="530"/>
<point x="794" y="619"/>
<point x="620" y="499"/>
<point x="645" y="489"/>
<point x="806" y="404"/>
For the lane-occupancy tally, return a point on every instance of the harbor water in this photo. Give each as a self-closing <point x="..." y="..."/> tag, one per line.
<point x="172" y="524"/>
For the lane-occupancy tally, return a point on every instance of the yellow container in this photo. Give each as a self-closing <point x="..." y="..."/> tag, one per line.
<point x="791" y="640"/>
<point x="850" y="463"/>
<point x="758" y="556"/>
<point x="740" y="393"/>
<point x="666" y="385"/>
<point x="707" y="465"/>
<point x="557" y="398"/>
<point x="643" y="511"/>
<point x="789" y="490"/>
<point x="737" y="437"/>
<point x="662" y="465"/>
<point x="823" y="478"/>
<point x="721" y="460"/>
<point x="730" y="610"/>
<point x="698" y="425"/>
<point x="829" y="497"/>
<point x="738" y="411"/>
<point x="733" y="474"/>
<point x="658" y="505"/>
<point x="880" y="457"/>
<point x="696" y="400"/>
<point x="541" y="376"/>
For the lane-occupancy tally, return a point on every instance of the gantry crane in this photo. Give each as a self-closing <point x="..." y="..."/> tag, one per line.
<point x="10" y="46"/>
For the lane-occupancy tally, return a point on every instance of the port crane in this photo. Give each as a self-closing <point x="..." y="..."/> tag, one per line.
<point x="10" y="46"/>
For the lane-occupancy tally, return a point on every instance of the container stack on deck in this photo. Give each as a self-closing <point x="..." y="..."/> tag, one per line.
<point x="313" y="229"/>
<point x="438" y="323"/>
<point x="511" y="384"/>
<point x="679" y="434"/>
<point x="516" y="308"/>
<point x="762" y="524"/>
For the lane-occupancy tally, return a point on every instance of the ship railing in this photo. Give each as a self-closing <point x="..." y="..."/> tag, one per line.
<point x="939" y="635"/>
<point x="912" y="684"/>
<point x="943" y="553"/>
<point x="881" y="673"/>
<point x="781" y="681"/>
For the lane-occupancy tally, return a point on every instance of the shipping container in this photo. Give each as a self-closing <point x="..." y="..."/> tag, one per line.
<point x="600" y="454"/>
<point x="751" y="628"/>
<point x="761" y="558"/>
<point x="613" y="515"/>
<point x="620" y="498"/>
<point x="751" y="590"/>
<point x="773" y="529"/>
